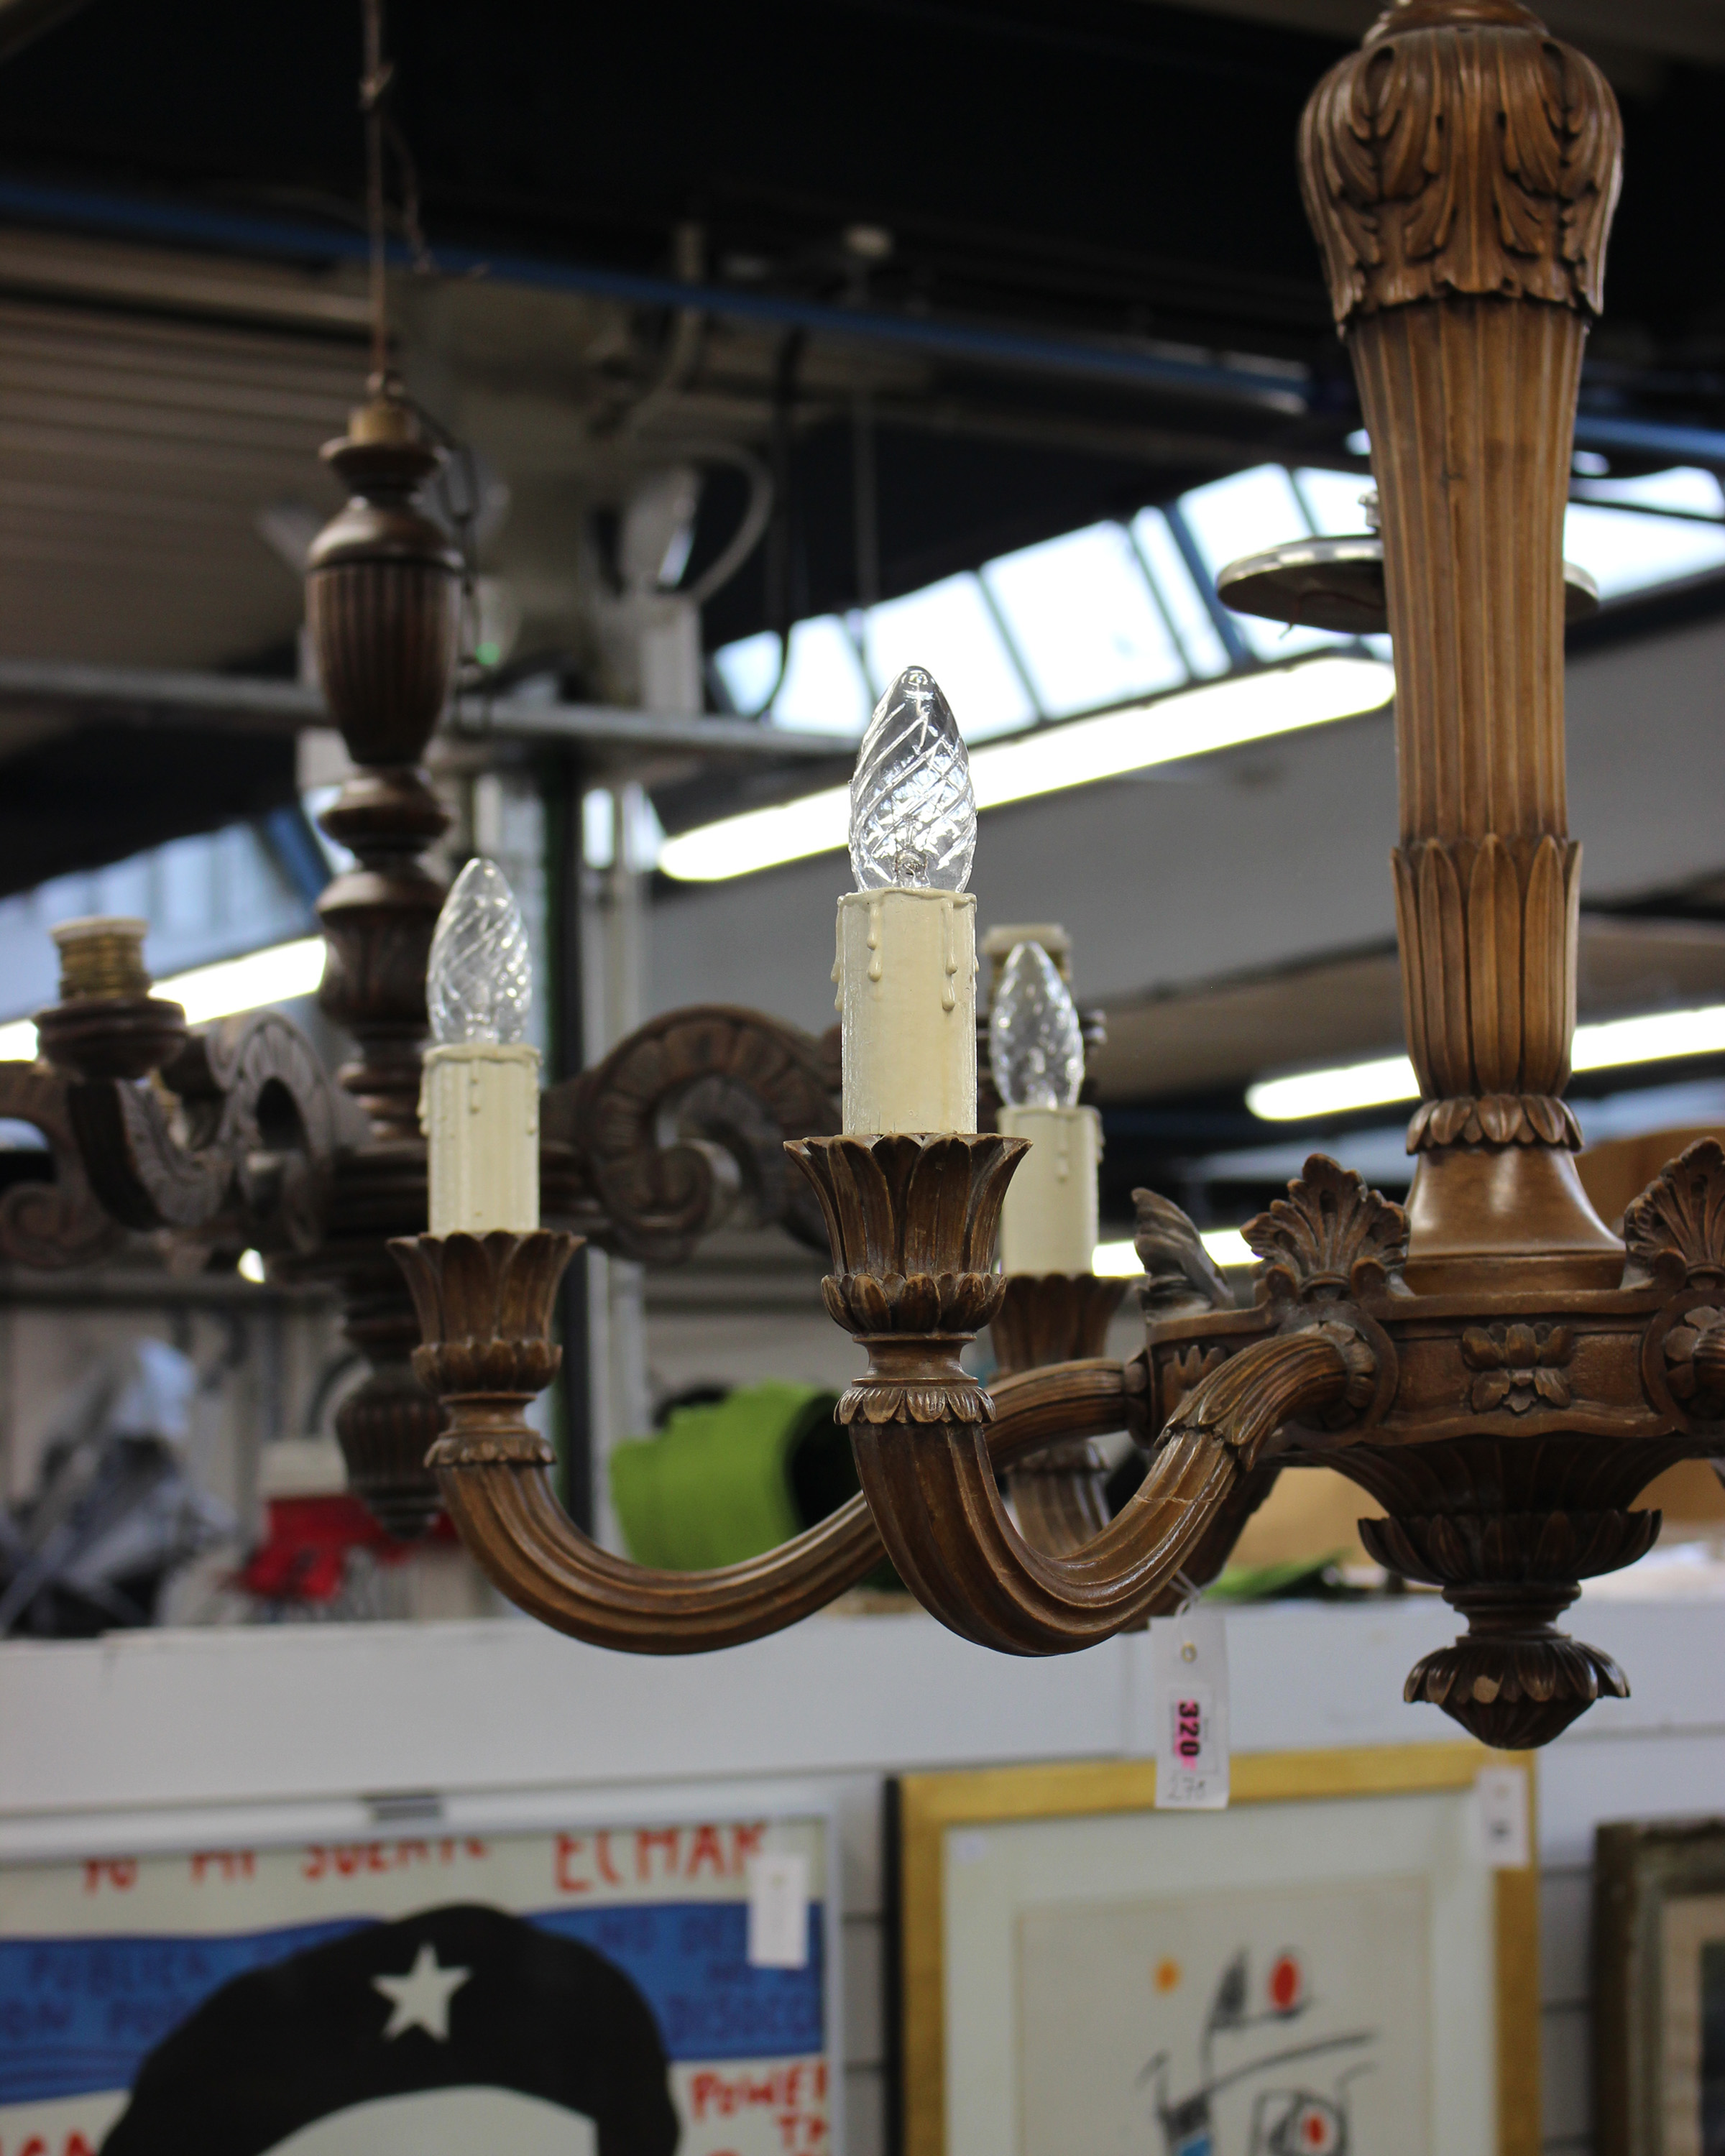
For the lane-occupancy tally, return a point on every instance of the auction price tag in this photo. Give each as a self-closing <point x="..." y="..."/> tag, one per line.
<point x="779" y="1913"/>
<point x="1501" y="1818"/>
<point x="1189" y="1660"/>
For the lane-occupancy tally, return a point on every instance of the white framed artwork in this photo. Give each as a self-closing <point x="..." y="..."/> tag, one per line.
<point x="1339" y="1962"/>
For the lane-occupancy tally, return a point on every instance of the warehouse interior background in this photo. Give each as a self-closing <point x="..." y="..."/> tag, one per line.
<point x="775" y="348"/>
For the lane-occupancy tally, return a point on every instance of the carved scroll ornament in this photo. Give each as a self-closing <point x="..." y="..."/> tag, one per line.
<point x="687" y="1115"/>
<point x="1462" y="150"/>
<point x="241" y="1137"/>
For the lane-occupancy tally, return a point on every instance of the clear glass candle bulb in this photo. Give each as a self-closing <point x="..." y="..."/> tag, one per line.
<point x="480" y="983"/>
<point x="912" y="809"/>
<point x="1035" y="1046"/>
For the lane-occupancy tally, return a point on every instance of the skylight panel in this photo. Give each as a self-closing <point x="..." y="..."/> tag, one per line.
<point x="1080" y="610"/>
<point x="1247" y="513"/>
<point x="948" y="628"/>
<point x="1206" y="655"/>
<point x="1624" y="551"/>
<point x="1333" y="501"/>
<point x="748" y="669"/>
<point x="824" y="687"/>
<point x="1685" y="487"/>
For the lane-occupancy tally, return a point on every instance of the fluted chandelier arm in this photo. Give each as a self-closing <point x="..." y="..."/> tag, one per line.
<point x="533" y="1552"/>
<point x="931" y="1488"/>
<point x="507" y="1512"/>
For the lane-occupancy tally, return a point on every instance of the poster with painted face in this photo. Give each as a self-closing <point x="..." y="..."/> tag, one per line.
<point x="1291" y="2023"/>
<point x="628" y="1991"/>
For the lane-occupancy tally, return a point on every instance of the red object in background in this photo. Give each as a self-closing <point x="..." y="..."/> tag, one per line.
<point x="1285" y="1984"/>
<point x="304" y="1555"/>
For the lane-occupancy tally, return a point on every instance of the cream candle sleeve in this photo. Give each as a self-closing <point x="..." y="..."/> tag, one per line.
<point x="1048" y="1222"/>
<point x="906" y="971"/>
<point x="479" y="1108"/>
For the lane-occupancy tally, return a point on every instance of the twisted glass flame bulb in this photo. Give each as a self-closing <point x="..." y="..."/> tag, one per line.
<point x="912" y="809"/>
<point x="1035" y="1048"/>
<point x="480" y="983"/>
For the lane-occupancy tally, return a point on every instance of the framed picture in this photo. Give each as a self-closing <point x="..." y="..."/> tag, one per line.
<point x="1659" y="1987"/>
<point x="637" y="1982"/>
<point x="1346" y="1960"/>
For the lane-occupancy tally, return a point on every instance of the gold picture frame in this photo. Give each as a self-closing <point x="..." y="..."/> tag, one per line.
<point x="928" y="1805"/>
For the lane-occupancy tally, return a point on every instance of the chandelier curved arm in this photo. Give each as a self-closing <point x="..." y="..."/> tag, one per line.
<point x="53" y="1224"/>
<point x="930" y="1486"/>
<point x="240" y="1135"/>
<point x="911" y="1219"/>
<point x="503" y="1502"/>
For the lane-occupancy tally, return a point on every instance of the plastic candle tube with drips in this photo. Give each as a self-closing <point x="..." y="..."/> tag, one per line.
<point x="906" y="963"/>
<point x="479" y="1098"/>
<point x="1048" y="1222"/>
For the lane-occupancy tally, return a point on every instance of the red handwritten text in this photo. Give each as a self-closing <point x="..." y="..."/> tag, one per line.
<point x="119" y="1872"/>
<point x="645" y="1855"/>
<point x="347" y="1860"/>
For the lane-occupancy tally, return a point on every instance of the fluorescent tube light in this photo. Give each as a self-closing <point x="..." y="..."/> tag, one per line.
<point x="1655" y="1039"/>
<point x="1226" y="1246"/>
<point x="1195" y="722"/>
<point x="1315" y="1093"/>
<point x="279" y="975"/>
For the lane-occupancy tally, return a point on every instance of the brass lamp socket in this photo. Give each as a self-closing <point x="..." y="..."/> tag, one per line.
<point x="101" y="955"/>
<point x="107" y="1024"/>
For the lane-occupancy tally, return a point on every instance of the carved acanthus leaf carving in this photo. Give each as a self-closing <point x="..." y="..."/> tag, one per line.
<point x="1488" y="978"/>
<point x="1462" y="150"/>
<point x="911" y="1223"/>
<point x="1500" y="1119"/>
<point x="1181" y="1277"/>
<point x="1676" y="1226"/>
<point x="1330" y="1237"/>
<point x="484" y="1304"/>
<point x="1052" y="1318"/>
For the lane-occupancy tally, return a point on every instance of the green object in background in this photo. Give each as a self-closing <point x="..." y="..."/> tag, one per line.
<point x="724" y="1482"/>
<point x="1301" y="1578"/>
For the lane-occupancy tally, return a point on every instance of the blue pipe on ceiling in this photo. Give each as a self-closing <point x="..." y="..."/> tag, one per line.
<point x="139" y="217"/>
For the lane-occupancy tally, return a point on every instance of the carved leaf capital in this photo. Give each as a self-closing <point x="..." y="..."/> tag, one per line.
<point x="910" y="1209"/>
<point x="484" y="1307"/>
<point x="1462" y="149"/>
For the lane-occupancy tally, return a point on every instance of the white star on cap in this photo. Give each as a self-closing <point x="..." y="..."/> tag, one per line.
<point x="421" y="1998"/>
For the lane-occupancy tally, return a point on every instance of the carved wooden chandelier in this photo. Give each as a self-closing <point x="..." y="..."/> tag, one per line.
<point x="1496" y="1368"/>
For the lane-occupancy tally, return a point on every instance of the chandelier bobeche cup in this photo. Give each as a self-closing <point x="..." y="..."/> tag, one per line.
<point x="1494" y="1366"/>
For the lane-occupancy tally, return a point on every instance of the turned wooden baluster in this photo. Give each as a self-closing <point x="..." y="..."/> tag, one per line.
<point x="382" y="596"/>
<point x="1460" y="173"/>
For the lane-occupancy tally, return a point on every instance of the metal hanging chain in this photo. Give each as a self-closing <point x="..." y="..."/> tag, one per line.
<point x="374" y="86"/>
<point x="375" y="83"/>
<point x="372" y="83"/>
